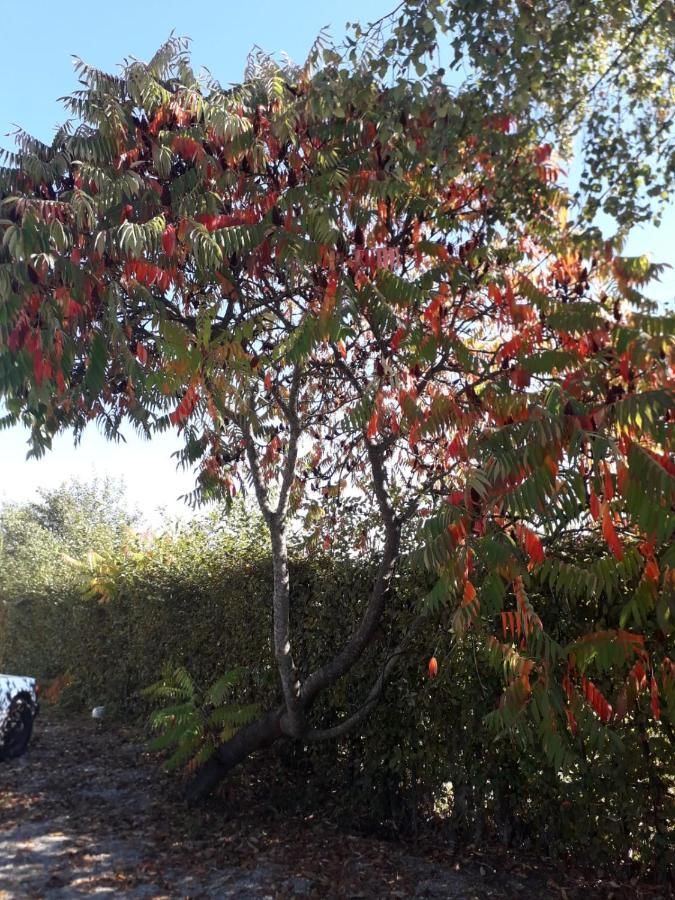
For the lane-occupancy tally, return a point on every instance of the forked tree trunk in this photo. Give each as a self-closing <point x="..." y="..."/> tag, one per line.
<point x="291" y="719"/>
<point x="290" y="722"/>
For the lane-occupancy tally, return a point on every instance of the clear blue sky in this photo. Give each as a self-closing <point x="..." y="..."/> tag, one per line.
<point x="36" y="69"/>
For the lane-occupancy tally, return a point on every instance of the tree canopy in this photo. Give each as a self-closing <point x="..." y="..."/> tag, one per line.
<point x="356" y="279"/>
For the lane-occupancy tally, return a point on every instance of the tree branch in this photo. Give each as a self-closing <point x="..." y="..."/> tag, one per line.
<point x="320" y="734"/>
<point x="256" y="475"/>
<point x="345" y="659"/>
<point x="291" y="411"/>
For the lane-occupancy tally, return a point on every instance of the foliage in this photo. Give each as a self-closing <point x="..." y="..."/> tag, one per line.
<point x="200" y="600"/>
<point x="195" y="722"/>
<point x="37" y="584"/>
<point x="344" y="280"/>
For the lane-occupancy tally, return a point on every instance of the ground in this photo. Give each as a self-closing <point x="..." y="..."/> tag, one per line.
<point x="87" y="811"/>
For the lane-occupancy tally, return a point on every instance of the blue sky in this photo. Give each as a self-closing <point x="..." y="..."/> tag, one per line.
<point x="36" y="69"/>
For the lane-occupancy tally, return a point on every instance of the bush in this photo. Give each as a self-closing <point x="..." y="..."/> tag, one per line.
<point x="200" y="598"/>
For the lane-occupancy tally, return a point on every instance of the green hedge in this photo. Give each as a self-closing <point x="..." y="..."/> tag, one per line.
<point x="202" y="599"/>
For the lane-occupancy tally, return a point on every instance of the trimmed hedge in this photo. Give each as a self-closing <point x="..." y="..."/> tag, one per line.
<point x="202" y="599"/>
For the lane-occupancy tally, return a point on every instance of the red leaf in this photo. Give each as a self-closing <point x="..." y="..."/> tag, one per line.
<point x="520" y="378"/>
<point x="398" y="336"/>
<point x="654" y="692"/>
<point x="594" y="505"/>
<point x="571" y="721"/>
<point x="624" y="366"/>
<point x="610" y="535"/>
<point x="495" y="294"/>
<point x="268" y="381"/>
<point x="600" y="705"/>
<point x="608" y="483"/>
<point x="141" y="354"/>
<point x="169" y="240"/>
<point x="331" y="286"/>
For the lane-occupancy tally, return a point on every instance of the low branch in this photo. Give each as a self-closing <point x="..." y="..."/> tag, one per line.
<point x="351" y="652"/>
<point x="344" y="727"/>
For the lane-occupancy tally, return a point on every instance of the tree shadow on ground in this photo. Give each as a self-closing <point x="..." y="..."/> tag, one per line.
<point x="87" y="810"/>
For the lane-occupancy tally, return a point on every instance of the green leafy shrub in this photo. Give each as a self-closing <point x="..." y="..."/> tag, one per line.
<point x="195" y="721"/>
<point x="197" y="599"/>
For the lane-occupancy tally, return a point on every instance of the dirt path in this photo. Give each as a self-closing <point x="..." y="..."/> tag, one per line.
<point x="86" y="812"/>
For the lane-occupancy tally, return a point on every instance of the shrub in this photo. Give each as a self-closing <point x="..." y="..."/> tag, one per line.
<point x="199" y="598"/>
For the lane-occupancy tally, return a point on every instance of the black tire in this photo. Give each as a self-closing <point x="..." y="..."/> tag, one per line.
<point x="17" y="731"/>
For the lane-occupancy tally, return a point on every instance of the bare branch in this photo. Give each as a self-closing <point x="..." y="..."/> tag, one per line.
<point x="291" y="411"/>
<point x="256" y="474"/>
<point x="363" y="634"/>
<point x="320" y="734"/>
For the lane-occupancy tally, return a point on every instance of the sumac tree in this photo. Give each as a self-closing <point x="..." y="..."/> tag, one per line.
<point x="341" y="281"/>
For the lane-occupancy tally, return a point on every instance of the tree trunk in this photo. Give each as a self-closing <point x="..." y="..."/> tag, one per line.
<point x="299" y="697"/>
<point x="259" y="734"/>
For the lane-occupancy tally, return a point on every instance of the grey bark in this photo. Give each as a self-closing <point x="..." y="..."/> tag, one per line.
<point x="298" y="698"/>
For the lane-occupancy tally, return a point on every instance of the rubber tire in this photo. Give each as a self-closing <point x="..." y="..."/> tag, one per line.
<point x="19" y="730"/>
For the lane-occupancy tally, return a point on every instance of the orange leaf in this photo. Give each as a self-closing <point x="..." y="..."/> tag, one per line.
<point x="433" y="667"/>
<point x="169" y="240"/>
<point x="469" y="594"/>
<point x="531" y="542"/>
<point x="372" y="426"/>
<point x="551" y="465"/>
<point x="141" y="354"/>
<point x="652" y="570"/>
<point x="621" y="477"/>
